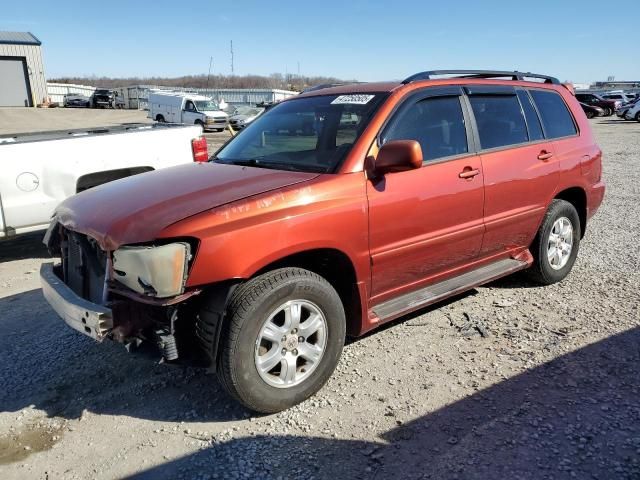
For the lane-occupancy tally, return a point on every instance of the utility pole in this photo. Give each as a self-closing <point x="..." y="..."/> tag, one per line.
<point x="231" y="57"/>
<point x="209" y="74"/>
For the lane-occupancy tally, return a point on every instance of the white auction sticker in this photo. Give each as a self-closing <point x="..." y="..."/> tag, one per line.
<point x="353" y="99"/>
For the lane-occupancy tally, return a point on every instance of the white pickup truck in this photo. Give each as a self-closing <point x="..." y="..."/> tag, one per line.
<point x="39" y="170"/>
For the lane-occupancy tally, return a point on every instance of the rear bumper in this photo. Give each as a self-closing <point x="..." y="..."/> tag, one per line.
<point x="92" y="319"/>
<point x="595" y="198"/>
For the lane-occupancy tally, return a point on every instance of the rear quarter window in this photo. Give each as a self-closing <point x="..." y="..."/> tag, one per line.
<point x="556" y="118"/>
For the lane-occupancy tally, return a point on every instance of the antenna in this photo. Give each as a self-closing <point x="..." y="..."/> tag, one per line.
<point x="231" y="57"/>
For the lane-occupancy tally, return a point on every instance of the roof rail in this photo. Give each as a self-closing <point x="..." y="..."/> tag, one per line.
<point x="515" y="75"/>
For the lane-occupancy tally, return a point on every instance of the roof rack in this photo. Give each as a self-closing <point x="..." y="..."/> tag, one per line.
<point x="515" y="75"/>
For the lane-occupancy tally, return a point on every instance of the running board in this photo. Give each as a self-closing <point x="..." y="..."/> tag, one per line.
<point x="439" y="291"/>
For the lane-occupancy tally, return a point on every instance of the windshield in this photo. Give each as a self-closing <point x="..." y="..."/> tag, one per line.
<point x="308" y="134"/>
<point x="206" y="105"/>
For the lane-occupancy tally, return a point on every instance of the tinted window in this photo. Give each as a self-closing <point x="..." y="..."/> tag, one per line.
<point x="556" y="118"/>
<point x="533" y="122"/>
<point x="499" y="119"/>
<point x="437" y="124"/>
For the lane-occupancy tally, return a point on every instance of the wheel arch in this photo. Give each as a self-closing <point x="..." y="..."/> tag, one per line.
<point x="333" y="265"/>
<point x="577" y="197"/>
<point x="336" y="267"/>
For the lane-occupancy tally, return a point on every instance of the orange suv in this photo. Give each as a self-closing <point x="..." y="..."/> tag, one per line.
<point x="332" y="213"/>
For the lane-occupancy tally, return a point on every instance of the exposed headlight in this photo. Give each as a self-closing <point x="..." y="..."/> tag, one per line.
<point x="156" y="271"/>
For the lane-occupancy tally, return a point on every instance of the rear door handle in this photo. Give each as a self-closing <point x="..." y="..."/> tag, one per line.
<point x="544" y="155"/>
<point x="469" y="172"/>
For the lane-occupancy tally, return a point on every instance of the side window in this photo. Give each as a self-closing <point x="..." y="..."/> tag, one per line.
<point x="499" y="119"/>
<point x="533" y="122"/>
<point x="189" y="106"/>
<point x="436" y="123"/>
<point x="556" y="118"/>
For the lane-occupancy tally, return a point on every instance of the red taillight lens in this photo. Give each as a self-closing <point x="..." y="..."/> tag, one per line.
<point x="199" y="148"/>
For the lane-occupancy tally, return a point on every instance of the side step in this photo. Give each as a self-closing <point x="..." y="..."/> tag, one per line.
<point x="439" y="291"/>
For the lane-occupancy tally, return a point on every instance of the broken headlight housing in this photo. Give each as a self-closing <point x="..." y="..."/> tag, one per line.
<point x="158" y="271"/>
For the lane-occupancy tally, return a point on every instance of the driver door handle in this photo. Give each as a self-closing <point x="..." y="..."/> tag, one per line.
<point x="469" y="172"/>
<point x="544" y="155"/>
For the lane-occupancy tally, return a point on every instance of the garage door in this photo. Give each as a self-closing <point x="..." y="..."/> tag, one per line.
<point x="15" y="88"/>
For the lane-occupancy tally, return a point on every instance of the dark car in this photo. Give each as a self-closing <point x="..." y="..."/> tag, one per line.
<point x="590" y="111"/>
<point x="75" y="100"/>
<point x="594" y="100"/>
<point x="106" y="99"/>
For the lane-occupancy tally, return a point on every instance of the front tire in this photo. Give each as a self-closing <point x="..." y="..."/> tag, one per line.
<point x="282" y="339"/>
<point x="556" y="245"/>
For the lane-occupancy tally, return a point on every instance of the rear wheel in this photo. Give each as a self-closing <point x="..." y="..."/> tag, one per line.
<point x="282" y="341"/>
<point x="589" y="114"/>
<point x="556" y="245"/>
<point x="637" y="117"/>
<point x="160" y="119"/>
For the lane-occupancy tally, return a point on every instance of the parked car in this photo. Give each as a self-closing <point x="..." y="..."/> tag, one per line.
<point x="243" y="116"/>
<point x="75" y="100"/>
<point x="609" y="106"/>
<point x="268" y="255"/>
<point x="619" y="97"/>
<point x="187" y="108"/>
<point x="622" y="110"/>
<point x="592" y="111"/>
<point x="40" y="170"/>
<point x="104" y="98"/>
<point x="633" y="113"/>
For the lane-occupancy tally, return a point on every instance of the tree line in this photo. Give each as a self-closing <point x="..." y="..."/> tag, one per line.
<point x="275" y="80"/>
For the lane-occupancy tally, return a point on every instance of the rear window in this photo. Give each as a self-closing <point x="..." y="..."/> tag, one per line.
<point x="556" y="118"/>
<point x="499" y="119"/>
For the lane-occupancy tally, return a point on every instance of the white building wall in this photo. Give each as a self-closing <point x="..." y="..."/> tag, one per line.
<point x="35" y="67"/>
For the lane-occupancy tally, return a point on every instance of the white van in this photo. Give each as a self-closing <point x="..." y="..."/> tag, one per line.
<point x="186" y="108"/>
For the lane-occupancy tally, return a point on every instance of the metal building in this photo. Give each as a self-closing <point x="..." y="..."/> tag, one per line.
<point x="21" y="70"/>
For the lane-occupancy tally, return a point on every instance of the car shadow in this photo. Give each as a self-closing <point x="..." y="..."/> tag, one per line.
<point x="577" y="416"/>
<point x="23" y="247"/>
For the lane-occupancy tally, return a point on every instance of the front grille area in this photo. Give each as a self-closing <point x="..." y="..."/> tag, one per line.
<point x="83" y="266"/>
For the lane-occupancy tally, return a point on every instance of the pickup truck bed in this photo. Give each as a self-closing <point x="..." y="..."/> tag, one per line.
<point x="41" y="169"/>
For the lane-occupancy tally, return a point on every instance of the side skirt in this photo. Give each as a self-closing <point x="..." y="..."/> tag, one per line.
<point x="409" y="302"/>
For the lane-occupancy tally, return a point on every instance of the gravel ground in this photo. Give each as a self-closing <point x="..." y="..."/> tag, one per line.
<point x="509" y="381"/>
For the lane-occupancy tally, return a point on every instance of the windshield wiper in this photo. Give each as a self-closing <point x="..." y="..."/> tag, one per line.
<point x="256" y="162"/>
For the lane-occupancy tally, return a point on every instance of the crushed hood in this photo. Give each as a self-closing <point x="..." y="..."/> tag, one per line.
<point x="136" y="209"/>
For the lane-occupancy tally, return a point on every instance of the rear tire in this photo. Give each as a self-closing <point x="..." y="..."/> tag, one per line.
<point x="160" y="119"/>
<point x="589" y="115"/>
<point x="556" y="245"/>
<point x="256" y="312"/>
<point x="637" y="117"/>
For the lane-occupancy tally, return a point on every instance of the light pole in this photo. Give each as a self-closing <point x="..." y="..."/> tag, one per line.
<point x="209" y="74"/>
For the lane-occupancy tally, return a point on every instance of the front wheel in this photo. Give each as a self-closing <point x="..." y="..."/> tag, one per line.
<point x="282" y="340"/>
<point x="556" y="245"/>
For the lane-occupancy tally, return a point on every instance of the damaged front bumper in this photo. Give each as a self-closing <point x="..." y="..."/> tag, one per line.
<point x="95" y="321"/>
